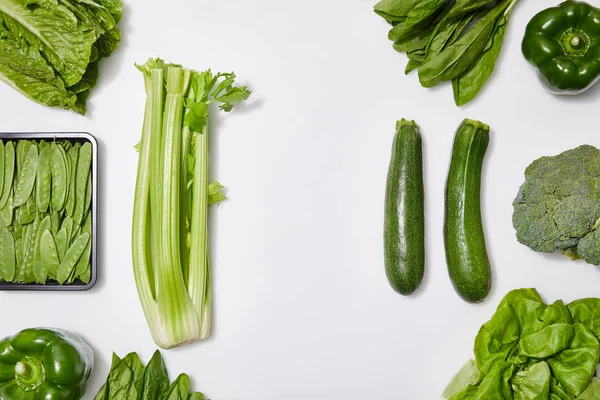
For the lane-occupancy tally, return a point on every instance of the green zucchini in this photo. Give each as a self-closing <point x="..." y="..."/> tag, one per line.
<point x="404" y="225"/>
<point x="464" y="241"/>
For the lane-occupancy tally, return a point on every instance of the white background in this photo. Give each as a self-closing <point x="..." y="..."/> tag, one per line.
<point x="302" y="305"/>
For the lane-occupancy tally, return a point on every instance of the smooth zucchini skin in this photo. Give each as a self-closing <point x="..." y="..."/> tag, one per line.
<point x="404" y="226"/>
<point x="466" y="254"/>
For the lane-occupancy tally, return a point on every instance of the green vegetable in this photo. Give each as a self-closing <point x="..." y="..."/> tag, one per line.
<point x="49" y="50"/>
<point x="404" y="227"/>
<point x="562" y="43"/>
<point x="40" y="184"/>
<point x="130" y="379"/>
<point x="464" y="240"/>
<point x="533" y="350"/>
<point x="456" y="41"/>
<point x="171" y="199"/>
<point x="46" y="364"/>
<point x="558" y="205"/>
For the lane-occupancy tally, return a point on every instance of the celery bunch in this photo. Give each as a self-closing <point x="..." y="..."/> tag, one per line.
<point x="170" y="221"/>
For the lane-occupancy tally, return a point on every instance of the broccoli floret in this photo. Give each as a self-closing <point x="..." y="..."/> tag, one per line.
<point x="558" y="205"/>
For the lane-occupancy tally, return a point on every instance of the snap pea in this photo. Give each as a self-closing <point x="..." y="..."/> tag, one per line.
<point x="18" y="253"/>
<point x="62" y="242"/>
<point x="26" y="213"/>
<point x="83" y="265"/>
<point x="26" y="176"/>
<point x="88" y="195"/>
<point x="49" y="253"/>
<point x="17" y="230"/>
<point x="59" y="177"/>
<point x="55" y="222"/>
<point x="42" y="144"/>
<point x="25" y="274"/>
<point x="43" y="179"/>
<point x="83" y="170"/>
<point x="69" y="225"/>
<point x="1" y="165"/>
<point x="7" y="255"/>
<point x="73" y="155"/>
<point x="7" y="211"/>
<point x="23" y="147"/>
<point x="9" y="170"/>
<point x="75" y="252"/>
<point x="40" y="270"/>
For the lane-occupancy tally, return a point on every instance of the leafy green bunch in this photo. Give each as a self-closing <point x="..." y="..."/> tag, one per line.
<point x="50" y="49"/>
<point x="129" y="379"/>
<point x="532" y="350"/>
<point x="456" y="41"/>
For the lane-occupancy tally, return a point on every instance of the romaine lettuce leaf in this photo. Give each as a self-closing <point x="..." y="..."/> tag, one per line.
<point x="49" y="49"/>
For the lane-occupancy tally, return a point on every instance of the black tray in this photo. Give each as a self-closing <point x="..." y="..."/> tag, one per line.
<point x="73" y="137"/>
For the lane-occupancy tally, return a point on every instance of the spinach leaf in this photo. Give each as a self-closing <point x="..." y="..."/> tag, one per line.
<point x="417" y="19"/>
<point x="468" y="84"/>
<point x="457" y="58"/>
<point x="440" y="38"/>
<point x="395" y="10"/>
<point x="179" y="389"/>
<point x="463" y="7"/>
<point x="156" y="380"/>
<point x="132" y="361"/>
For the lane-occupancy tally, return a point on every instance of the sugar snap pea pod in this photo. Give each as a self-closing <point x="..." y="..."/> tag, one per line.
<point x="62" y="242"/>
<point x="18" y="253"/>
<point x="42" y="144"/>
<point x="83" y="265"/>
<point x="17" y="230"/>
<point x="59" y="177"/>
<point x="66" y="144"/>
<point x="69" y="225"/>
<point x="88" y="196"/>
<point x="7" y="255"/>
<point x="49" y="253"/>
<point x="24" y="216"/>
<point x="1" y="165"/>
<point x="25" y="245"/>
<point x="26" y="176"/>
<point x="9" y="170"/>
<point x="86" y="276"/>
<point x="55" y="222"/>
<point x="72" y="156"/>
<point x="31" y="206"/>
<point x="71" y="257"/>
<point x="7" y="212"/>
<point x="29" y="251"/>
<point x="40" y="270"/>
<point x="23" y="147"/>
<point x="83" y="170"/>
<point x="43" y="179"/>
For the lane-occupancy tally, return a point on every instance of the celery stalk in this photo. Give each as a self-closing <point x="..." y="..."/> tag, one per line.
<point x="170" y="222"/>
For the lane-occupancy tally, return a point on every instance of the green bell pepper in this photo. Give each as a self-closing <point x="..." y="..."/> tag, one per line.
<point x="563" y="44"/>
<point x="44" y="364"/>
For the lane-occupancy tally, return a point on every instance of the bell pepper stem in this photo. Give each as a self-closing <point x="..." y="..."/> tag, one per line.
<point x="29" y="373"/>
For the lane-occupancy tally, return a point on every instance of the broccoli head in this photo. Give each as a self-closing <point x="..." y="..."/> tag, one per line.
<point x="558" y="205"/>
